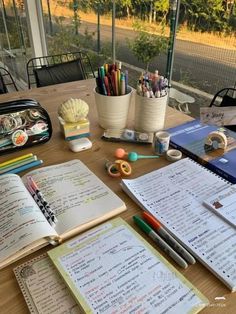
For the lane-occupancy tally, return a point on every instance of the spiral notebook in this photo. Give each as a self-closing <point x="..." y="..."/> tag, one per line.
<point x="175" y="195"/>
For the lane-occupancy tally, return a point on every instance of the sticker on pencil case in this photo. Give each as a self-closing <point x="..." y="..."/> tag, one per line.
<point x="19" y="138"/>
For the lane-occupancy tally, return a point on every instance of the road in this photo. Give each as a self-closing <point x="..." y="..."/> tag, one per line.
<point x="195" y="64"/>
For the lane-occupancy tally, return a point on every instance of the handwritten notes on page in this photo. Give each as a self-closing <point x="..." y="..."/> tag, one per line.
<point x="76" y="194"/>
<point x="21" y="221"/>
<point x="43" y="289"/>
<point x="219" y="116"/>
<point x="111" y="269"/>
<point x="174" y="195"/>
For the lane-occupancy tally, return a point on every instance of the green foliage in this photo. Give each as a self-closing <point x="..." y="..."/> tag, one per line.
<point x="147" y="46"/>
<point x="65" y="40"/>
<point x="162" y="6"/>
<point x="205" y="16"/>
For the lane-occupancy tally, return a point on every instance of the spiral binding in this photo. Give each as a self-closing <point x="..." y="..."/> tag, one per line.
<point x="222" y="179"/>
<point x="210" y="171"/>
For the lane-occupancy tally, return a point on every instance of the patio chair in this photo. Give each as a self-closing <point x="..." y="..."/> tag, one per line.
<point x="60" y="68"/>
<point x="226" y="97"/>
<point x="181" y="100"/>
<point x="7" y="82"/>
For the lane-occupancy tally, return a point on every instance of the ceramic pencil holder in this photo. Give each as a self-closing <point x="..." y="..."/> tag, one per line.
<point x="113" y="110"/>
<point x="149" y="113"/>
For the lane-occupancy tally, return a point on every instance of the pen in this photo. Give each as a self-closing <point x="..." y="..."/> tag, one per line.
<point x="40" y="204"/>
<point x="41" y="198"/>
<point x="102" y="72"/>
<point x="126" y="81"/>
<point x="25" y="167"/>
<point x="118" y="81"/>
<point x="160" y="242"/>
<point x="17" y="164"/>
<point x="156" y="225"/>
<point x="106" y="82"/>
<point x="15" y="159"/>
<point x="122" y="84"/>
<point x="114" y="80"/>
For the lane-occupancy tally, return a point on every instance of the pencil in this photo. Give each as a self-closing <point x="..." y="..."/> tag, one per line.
<point x="25" y="167"/>
<point x="17" y="164"/>
<point x="15" y="159"/>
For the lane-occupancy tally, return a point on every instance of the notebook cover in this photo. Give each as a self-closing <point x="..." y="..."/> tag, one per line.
<point x="190" y="138"/>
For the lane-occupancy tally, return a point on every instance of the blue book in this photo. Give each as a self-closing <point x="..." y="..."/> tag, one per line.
<point x="190" y="138"/>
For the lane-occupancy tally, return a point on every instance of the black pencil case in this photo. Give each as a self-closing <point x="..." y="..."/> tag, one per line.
<point x="23" y="123"/>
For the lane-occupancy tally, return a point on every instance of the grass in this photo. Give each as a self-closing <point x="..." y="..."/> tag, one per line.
<point x="216" y="40"/>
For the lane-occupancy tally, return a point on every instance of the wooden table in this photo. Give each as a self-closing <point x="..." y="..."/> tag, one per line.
<point x="57" y="151"/>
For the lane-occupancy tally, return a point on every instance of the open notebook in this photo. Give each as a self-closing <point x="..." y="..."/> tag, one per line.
<point x="174" y="195"/>
<point x="76" y="195"/>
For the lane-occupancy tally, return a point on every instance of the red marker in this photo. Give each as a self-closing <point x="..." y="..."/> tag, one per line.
<point x="156" y="225"/>
<point x="106" y="82"/>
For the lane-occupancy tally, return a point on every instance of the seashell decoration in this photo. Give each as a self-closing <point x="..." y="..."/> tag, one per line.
<point x="73" y="110"/>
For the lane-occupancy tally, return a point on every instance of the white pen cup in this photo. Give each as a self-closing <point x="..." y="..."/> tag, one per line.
<point x="113" y="110"/>
<point x="149" y="113"/>
<point x="161" y="141"/>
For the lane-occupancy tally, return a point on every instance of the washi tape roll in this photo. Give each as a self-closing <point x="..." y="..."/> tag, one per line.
<point x="161" y="142"/>
<point x="124" y="166"/>
<point x="216" y="139"/>
<point x="112" y="169"/>
<point x="173" y="155"/>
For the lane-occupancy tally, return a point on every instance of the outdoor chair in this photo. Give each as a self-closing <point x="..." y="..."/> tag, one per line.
<point x="182" y="100"/>
<point x="60" y="68"/>
<point x="7" y="82"/>
<point x="226" y="97"/>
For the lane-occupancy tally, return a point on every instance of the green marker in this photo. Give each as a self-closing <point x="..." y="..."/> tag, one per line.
<point x="160" y="242"/>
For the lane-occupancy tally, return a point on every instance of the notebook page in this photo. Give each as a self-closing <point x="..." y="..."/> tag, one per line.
<point x="75" y="194"/>
<point x="174" y="195"/>
<point x="111" y="269"/>
<point x="43" y="288"/>
<point x="21" y="220"/>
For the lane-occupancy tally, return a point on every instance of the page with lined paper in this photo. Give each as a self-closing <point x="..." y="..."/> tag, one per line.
<point x="174" y="195"/>
<point x="111" y="269"/>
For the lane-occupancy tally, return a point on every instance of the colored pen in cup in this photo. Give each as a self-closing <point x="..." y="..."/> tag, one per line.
<point x="156" y="225"/>
<point x="160" y="242"/>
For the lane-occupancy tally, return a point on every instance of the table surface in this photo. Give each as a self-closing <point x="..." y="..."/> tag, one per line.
<point x="56" y="151"/>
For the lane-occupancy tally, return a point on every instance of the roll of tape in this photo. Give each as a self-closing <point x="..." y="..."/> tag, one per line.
<point x="124" y="166"/>
<point x="112" y="169"/>
<point x="173" y="154"/>
<point x="218" y="137"/>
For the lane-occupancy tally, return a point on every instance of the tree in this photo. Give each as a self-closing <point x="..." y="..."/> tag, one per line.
<point x="147" y="46"/>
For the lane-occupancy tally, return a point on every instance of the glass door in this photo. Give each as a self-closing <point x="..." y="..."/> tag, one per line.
<point x="14" y="38"/>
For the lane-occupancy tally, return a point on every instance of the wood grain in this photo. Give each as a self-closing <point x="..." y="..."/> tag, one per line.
<point x="57" y="151"/>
